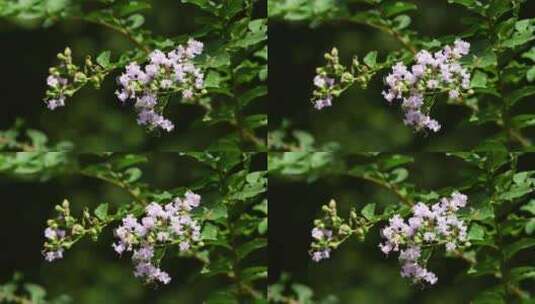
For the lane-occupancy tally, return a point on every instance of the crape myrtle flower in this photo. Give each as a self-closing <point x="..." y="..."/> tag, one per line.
<point x="62" y="231"/>
<point x="329" y="81"/>
<point x="429" y="75"/>
<point x="331" y="230"/>
<point x="160" y="226"/>
<point x="67" y="78"/>
<point x="428" y="226"/>
<point x="165" y="73"/>
<point x="334" y="78"/>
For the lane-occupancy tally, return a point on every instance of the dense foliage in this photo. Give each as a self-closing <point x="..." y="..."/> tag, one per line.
<point x="489" y="227"/>
<point x="215" y="72"/>
<point x="218" y="219"/>
<point x="487" y="76"/>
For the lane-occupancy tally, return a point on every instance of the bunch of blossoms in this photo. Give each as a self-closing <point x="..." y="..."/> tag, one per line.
<point x="331" y="230"/>
<point x="64" y="230"/>
<point x="427" y="227"/>
<point x="329" y="81"/>
<point x="164" y="74"/>
<point x="171" y="224"/>
<point x="432" y="73"/>
<point x="334" y="78"/>
<point x="66" y="78"/>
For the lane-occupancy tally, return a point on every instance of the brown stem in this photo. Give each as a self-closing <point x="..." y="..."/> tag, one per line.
<point x="120" y="30"/>
<point x="392" y="187"/>
<point x="117" y="183"/>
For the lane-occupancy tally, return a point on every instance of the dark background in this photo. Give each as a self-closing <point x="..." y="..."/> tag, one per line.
<point x="360" y="119"/>
<point x="358" y="272"/>
<point x="94" y="119"/>
<point x="91" y="272"/>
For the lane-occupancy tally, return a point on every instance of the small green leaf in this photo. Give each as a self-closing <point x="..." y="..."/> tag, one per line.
<point x="530" y="54"/>
<point x="401" y="22"/>
<point x="530" y="74"/>
<point x="37" y="293"/>
<point x="103" y="59"/>
<point x="398" y="7"/>
<point x="479" y="80"/>
<point x="38" y="138"/>
<point x="245" y="249"/>
<point x="521" y="273"/>
<point x="132" y="174"/>
<point x="476" y="232"/>
<point x="254" y="273"/>
<point x="101" y="212"/>
<point x="371" y="59"/>
<point x="529" y="207"/>
<point x="398" y="175"/>
<point x="368" y="211"/>
<point x="209" y="232"/>
<point x="511" y="249"/>
<point x="135" y="21"/>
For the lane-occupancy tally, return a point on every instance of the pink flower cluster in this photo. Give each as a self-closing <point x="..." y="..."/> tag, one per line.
<point x="56" y="83"/>
<point x="432" y="73"/>
<point x="54" y="235"/>
<point x="165" y="73"/>
<point x="171" y="224"/>
<point x="428" y="226"/>
<point x="324" y="84"/>
<point x="321" y="238"/>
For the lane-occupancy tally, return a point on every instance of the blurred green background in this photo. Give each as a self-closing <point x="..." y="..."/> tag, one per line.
<point x="94" y="119"/>
<point x="358" y="272"/>
<point x="360" y="119"/>
<point x="91" y="272"/>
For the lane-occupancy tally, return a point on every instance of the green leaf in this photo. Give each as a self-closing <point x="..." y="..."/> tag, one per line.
<point x="209" y="232"/>
<point x="38" y="138"/>
<point x="132" y="174"/>
<point x="522" y="273"/>
<point x="101" y="212"/>
<point x="516" y="191"/>
<point x="263" y="226"/>
<point x="245" y="249"/>
<point x="371" y="59"/>
<point x="519" y="94"/>
<point x="486" y="60"/>
<point x="490" y="296"/>
<point x="398" y="7"/>
<point x="518" y="39"/>
<point x="530" y="74"/>
<point x="255" y="121"/>
<point x="303" y="292"/>
<point x="56" y="6"/>
<point x="252" y="94"/>
<point x="511" y="249"/>
<point x="130" y="7"/>
<point x="396" y="160"/>
<point x="135" y="21"/>
<point x="476" y="232"/>
<point x="216" y="213"/>
<point x="479" y="80"/>
<point x="103" y="59"/>
<point x="529" y="207"/>
<point x="530" y="54"/>
<point x="398" y="175"/>
<point x="213" y="80"/>
<point x="37" y="293"/>
<point x="368" y="211"/>
<point x="530" y="226"/>
<point x="254" y="273"/>
<point x="401" y="22"/>
<point x="523" y="121"/>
